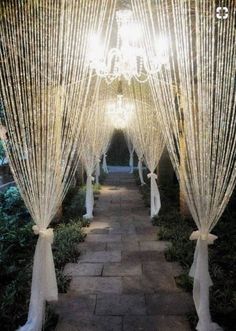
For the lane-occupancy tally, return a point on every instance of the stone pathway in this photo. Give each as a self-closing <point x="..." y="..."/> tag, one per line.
<point x="122" y="281"/>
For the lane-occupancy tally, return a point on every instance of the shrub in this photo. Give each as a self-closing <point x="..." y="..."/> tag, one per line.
<point x="67" y="237"/>
<point x="74" y="204"/>
<point x="13" y="204"/>
<point x="17" y="244"/>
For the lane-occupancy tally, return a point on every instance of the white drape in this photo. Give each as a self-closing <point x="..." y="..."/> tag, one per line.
<point x="130" y="149"/>
<point x="104" y="163"/>
<point x="89" y="199"/>
<point x="155" y="195"/>
<point x="146" y="134"/>
<point x="140" y="170"/>
<point x="44" y="88"/>
<point x="96" y="136"/>
<point x="97" y="171"/>
<point x="195" y="100"/>
<point x="131" y="160"/>
<point x="202" y="280"/>
<point x="43" y="278"/>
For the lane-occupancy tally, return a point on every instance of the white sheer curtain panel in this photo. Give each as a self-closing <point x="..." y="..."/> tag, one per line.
<point x="96" y="134"/>
<point x="195" y="97"/>
<point x="44" y="86"/>
<point x="149" y="138"/>
<point x="130" y="149"/>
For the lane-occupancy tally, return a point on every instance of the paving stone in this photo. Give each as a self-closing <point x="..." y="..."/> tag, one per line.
<point x="143" y="256"/>
<point x="101" y="256"/>
<point x="83" y="269"/>
<point x="66" y="326"/>
<point x="70" y="306"/>
<point x="155" y="323"/>
<point x="96" y="285"/>
<point x="158" y="275"/>
<point x="139" y="237"/>
<point x="123" y="246"/>
<point x="116" y="231"/>
<point x="92" y="246"/>
<point x="135" y="285"/>
<point x="103" y="237"/>
<point x="92" y="323"/>
<point x="154" y="245"/>
<point x="151" y="282"/>
<point x="120" y="305"/>
<point x="99" y="225"/>
<point x="122" y="269"/>
<point x="97" y="231"/>
<point x="169" y="303"/>
<point x="146" y="230"/>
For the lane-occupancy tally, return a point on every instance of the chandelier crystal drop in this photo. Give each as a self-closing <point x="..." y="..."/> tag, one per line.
<point x="128" y="59"/>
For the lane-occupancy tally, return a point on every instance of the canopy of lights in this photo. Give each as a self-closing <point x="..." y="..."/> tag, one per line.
<point x="163" y="71"/>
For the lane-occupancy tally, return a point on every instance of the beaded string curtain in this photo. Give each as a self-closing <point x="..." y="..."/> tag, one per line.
<point x="44" y="87"/>
<point x="104" y="156"/>
<point x="130" y="149"/>
<point x="107" y="143"/>
<point x="147" y="133"/>
<point x="96" y="131"/>
<point x="106" y="140"/>
<point x="140" y="95"/>
<point x="196" y="98"/>
<point x="134" y="136"/>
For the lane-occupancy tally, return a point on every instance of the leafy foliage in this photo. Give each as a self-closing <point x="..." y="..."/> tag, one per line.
<point x="73" y="204"/>
<point x="67" y="237"/>
<point x="2" y="153"/>
<point x="17" y="244"/>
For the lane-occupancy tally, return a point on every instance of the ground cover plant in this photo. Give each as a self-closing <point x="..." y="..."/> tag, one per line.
<point x="222" y="257"/>
<point x="17" y="244"/>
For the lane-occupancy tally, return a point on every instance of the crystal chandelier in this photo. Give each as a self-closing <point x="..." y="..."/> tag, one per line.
<point x="120" y="110"/>
<point x="128" y="59"/>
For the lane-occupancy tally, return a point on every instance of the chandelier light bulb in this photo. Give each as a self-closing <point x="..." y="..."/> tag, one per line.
<point x="128" y="59"/>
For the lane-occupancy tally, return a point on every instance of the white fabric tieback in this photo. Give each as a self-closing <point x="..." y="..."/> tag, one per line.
<point x="203" y="236"/>
<point x="202" y="280"/>
<point x="105" y="155"/>
<point x="152" y="175"/>
<point x="92" y="178"/>
<point x="44" y="233"/>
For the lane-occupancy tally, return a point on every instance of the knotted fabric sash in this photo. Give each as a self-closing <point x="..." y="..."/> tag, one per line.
<point x="202" y="280"/>
<point x="44" y="284"/>
<point x="89" y="199"/>
<point x="155" y="195"/>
